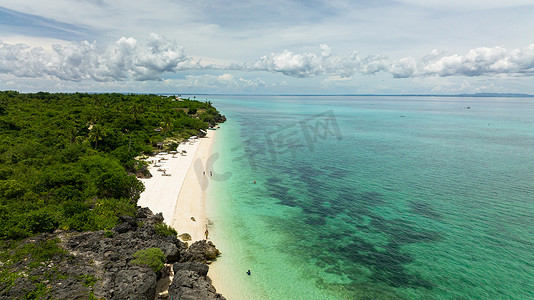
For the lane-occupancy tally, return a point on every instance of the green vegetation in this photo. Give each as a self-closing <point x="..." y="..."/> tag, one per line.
<point x="88" y="281"/>
<point x="69" y="160"/>
<point x="19" y="259"/>
<point x="35" y="261"/>
<point x="164" y="229"/>
<point x="150" y="257"/>
<point x="39" y="252"/>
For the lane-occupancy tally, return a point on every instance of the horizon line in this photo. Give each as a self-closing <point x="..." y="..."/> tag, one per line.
<point x="496" y="95"/>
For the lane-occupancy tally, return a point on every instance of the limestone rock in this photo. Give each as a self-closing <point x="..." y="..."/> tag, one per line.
<point x="143" y="212"/>
<point x="200" y="251"/>
<point x="191" y="283"/>
<point x="101" y="264"/>
<point x="135" y="283"/>
<point x="171" y="251"/>
<point x="159" y="217"/>
<point x="199" y="268"/>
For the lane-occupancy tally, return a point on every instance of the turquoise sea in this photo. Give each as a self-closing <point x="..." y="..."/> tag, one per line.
<point x="374" y="197"/>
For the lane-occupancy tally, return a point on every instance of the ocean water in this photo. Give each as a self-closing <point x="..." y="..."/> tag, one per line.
<point x="374" y="197"/>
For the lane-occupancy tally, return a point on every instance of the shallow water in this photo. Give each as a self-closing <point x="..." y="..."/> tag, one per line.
<point x="375" y="197"/>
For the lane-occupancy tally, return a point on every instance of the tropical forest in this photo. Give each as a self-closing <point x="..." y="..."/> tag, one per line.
<point x="70" y="161"/>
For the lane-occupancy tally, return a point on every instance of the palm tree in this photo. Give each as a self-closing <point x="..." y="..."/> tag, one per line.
<point x="96" y="134"/>
<point x="166" y="125"/>
<point x="73" y="134"/>
<point x="136" y="111"/>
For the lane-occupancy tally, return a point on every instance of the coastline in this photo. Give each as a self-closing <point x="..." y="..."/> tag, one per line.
<point x="228" y="272"/>
<point x="189" y="213"/>
<point x="185" y="194"/>
<point x="180" y="196"/>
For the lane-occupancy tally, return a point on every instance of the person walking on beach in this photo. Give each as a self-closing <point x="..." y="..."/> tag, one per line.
<point x="211" y="174"/>
<point x="206" y="233"/>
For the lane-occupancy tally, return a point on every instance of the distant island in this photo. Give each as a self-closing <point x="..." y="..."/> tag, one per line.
<point x="504" y="95"/>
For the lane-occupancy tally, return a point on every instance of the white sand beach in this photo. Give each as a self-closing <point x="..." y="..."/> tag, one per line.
<point x="180" y="196"/>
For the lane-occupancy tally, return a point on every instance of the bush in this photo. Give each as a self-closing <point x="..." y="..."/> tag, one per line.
<point x="74" y="207"/>
<point x="164" y="229"/>
<point x="151" y="257"/>
<point x="84" y="221"/>
<point x="43" y="220"/>
<point x="16" y="232"/>
<point x="11" y="189"/>
<point x="110" y="178"/>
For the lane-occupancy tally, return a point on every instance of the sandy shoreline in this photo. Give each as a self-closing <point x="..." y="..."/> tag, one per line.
<point x="190" y="210"/>
<point x="181" y="196"/>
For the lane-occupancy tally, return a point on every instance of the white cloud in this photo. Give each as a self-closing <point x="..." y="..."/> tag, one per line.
<point x="312" y="64"/>
<point x="129" y="59"/>
<point x="482" y="61"/>
<point x="77" y="61"/>
<point x="288" y="63"/>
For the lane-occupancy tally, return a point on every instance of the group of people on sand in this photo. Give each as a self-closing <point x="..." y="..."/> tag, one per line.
<point x="204" y="173"/>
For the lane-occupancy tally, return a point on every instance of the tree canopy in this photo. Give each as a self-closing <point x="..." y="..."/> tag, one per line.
<point x="68" y="160"/>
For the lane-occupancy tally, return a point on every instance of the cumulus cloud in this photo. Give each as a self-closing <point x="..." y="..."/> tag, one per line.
<point x="312" y="64"/>
<point x="476" y="62"/>
<point x="76" y="61"/>
<point x="288" y="63"/>
<point x="481" y="61"/>
<point x="128" y="59"/>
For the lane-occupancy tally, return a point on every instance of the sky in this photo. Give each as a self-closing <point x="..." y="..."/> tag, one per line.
<point x="268" y="47"/>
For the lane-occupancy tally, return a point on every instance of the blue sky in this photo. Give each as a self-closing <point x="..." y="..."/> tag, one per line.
<point x="268" y="47"/>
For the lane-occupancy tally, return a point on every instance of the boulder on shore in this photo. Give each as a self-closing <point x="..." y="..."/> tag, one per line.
<point x="191" y="283"/>
<point x="185" y="237"/>
<point x="200" y="251"/>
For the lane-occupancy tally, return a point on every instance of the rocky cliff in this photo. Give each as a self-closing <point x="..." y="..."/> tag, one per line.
<point x="101" y="265"/>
